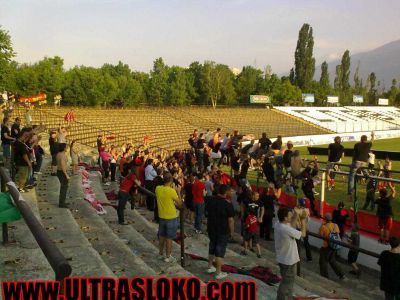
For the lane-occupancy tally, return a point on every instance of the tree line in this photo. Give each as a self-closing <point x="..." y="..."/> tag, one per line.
<point x="207" y="83"/>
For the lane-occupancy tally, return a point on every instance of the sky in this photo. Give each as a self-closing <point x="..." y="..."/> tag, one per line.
<point x="233" y="32"/>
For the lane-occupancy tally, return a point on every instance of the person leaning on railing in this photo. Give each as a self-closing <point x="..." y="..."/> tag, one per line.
<point x="6" y="140"/>
<point x="360" y="160"/>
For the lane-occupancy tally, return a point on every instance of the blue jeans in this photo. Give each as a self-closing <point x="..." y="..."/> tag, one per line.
<point x="198" y="215"/>
<point x="355" y="165"/>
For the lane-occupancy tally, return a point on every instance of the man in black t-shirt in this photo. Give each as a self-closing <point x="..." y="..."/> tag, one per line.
<point x="277" y="144"/>
<point x="360" y="160"/>
<point x="220" y="226"/>
<point x="265" y="143"/>
<point x="389" y="260"/>
<point x="15" y="128"/>
<point x="335" y="154"/>
<point x="384" y="213"/>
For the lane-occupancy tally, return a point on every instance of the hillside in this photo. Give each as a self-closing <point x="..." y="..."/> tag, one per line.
<point x="384" y="61"/>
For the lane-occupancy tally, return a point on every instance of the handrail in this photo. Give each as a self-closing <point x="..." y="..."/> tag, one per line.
<point x="343" y="244"/>
<point x="54" y="256"/>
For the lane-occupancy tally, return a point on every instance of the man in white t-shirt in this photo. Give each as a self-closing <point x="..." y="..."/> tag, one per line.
<point x="287" y="254"/>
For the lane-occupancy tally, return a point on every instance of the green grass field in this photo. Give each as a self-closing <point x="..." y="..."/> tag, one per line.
<point x="340" y="191"/>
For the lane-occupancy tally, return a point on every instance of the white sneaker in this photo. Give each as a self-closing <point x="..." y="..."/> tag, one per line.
<point x="211" y="270"/>
<point x="221" y="275"/>
<point x="107" y="183"/>
<point x="170" y="259"/>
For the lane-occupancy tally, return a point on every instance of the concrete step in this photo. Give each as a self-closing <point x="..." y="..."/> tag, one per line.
<point x="141" y="221"/>
<point x="146" y="249"/>
<point x="113" y="251"/>
<point x="22" y="259"/>
<point x="65" y="232"/>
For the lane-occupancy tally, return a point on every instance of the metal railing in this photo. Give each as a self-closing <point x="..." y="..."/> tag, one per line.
<point x="53" y="255"/>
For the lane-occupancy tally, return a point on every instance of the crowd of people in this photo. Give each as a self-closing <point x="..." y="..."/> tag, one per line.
<point x="192" y="182"/>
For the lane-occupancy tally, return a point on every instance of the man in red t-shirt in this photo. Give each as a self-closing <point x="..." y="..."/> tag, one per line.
<point x="198" y="191"/>
<point x="124" y="195"/>
<point x="250" y="234"/>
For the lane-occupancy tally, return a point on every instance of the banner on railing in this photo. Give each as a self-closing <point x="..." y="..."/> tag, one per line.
<point x="37" y="99"/>
<point x="332" y="99"/>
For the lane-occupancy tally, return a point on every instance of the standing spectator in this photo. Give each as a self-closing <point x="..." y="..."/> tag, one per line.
<point x="339" y="217"/>
<point x="327" y="253"/>
<point x="167" y="199"/>
<point x="158" y="180"/>
<point x="149" y="174"/>
<point x="287" y="254"/>
<point x="74" y="157"/>
<point x="303" y="216"/>
<point x="335" y="155"/>
<point x="296" y="164"/>
<point x="6" y="140"/>
<point x="250" y="234"/>
<point x="124" y="195"/>
<point x="370" y="192"/>
<point x="224" y="149"/>
<point x="220" y="227"/>
<point x="268" y="199"/>
<point x="244" y="168"/>
<point x="287" y="157"/>
<point x="53" y="151"/>
<point x="62" y="135"/>
<point x="308" y="185"/>
<point x="209" y="186"/>
<point x="200" y="151"/>
<point x="389" y="260"/>
<point x="360" y="160"/>
<point x="39" y="152"/>
<point x="22" y="160"/>
<point x="62" y="174"/>
<point x="385" y="213"/>
<point x="105" y="158"/>
<point x="352" y="256"/>
<point x="188" y="196"/>
<point x="15" y="128"/>
<point x="277" y="144"/>
<point x="113" y="162"/>
<point x="265" y="143"/>
<point x="208" y="136"/>
<point x="198" y="191"/>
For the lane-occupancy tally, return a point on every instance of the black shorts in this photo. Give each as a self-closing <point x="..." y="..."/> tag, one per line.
<point x="352" y="257"/>
<point x="218" y="245"/>
<point x="251" y="236"/>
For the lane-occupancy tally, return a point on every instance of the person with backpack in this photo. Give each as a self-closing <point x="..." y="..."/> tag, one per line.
<point x="327" y="253"/>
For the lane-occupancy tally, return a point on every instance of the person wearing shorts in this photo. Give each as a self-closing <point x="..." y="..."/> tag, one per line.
<point x="384" y="213"/>
<point x="167" y="199"/>
<point x="219" y="227"/>
<point x="250" y="233"/>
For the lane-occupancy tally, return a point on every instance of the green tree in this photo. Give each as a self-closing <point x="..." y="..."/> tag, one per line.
<point x="284" y="93"/>
<point x="393" y="93"/>
<point x="292" y="76"/>
<point x="358" y="84"/>
<point x="177" y="87"/>
<point x="248" y="82"/>
<point x="324" y="84"/>
<point x="372" y="92"/>
<point x="50" y="75"/>
<point x="217" y="81"/>
<point x="303" y="58"/>
<point x="6" y="54"/>
<point x="345" y="92"/>
<point x="338" y="76"/>
<point x="196" y="70"/>
<point x="158" y="84"/>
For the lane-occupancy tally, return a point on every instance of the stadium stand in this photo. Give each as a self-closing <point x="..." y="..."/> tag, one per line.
<point x="348" y="118"/>
<point x="169" y="128"/>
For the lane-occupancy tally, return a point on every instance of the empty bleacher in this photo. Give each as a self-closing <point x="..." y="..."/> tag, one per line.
<point x="348" y="118"/>
<point x="169" y="128"/>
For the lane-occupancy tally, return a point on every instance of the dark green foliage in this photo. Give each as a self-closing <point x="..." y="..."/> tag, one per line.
<point x="304" y="61"/>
